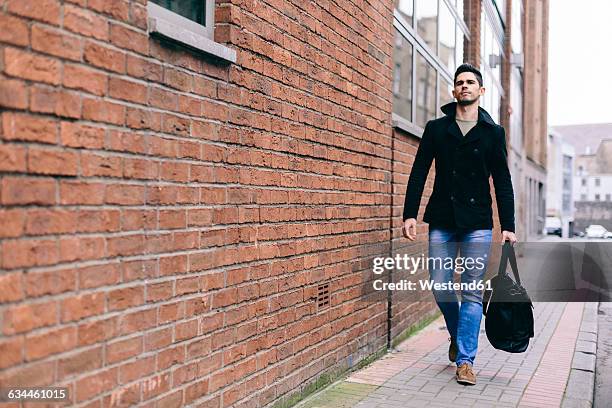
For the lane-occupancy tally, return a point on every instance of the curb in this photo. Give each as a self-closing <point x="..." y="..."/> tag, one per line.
<point x="579" y="391"/>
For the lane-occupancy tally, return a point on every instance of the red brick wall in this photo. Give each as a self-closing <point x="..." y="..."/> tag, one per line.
<point x="471" y="12"/>
<point x="409" y="307"/>
<point x="166" y="220"/>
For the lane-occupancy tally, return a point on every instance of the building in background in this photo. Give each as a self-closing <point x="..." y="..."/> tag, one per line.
<point x="592" y="192"/>
<point x="560" y="184"/>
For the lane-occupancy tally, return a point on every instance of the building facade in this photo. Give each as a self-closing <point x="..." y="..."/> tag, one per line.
<point x="592" y="177"/>
<point x="193" y="192"/>
<point x="593" y="182"/>
<point x="560" y="183"/>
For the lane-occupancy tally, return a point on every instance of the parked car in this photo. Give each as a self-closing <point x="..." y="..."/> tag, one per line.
<point x="552" y="226"/>
<point x="597" y="231"/>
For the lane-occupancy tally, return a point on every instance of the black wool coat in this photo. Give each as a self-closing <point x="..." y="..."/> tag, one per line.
<point x="461" y="197"/>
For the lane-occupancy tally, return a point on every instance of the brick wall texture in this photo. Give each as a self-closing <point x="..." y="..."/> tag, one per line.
<point x="167" y="220"/>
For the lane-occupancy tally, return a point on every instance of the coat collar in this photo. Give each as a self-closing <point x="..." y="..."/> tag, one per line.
<point x="450" y="110"/>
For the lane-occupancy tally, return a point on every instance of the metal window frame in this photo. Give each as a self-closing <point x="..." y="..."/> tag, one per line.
<point x="496" y="27"/>
<point x="496" y="23"/>
<point x="410" y="34"/>
<point x="173" y="26"/>
<point x="206" y="29"/>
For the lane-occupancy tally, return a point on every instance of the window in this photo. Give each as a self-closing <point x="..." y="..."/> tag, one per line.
<point x="194" y="10"/>
<point x="430" y="35"/>
<point x="396" y="79"/>
<point x="406" y="9"/>
<point x="517" y="29"/>
<point x="501" y="7"/>
<point x="402" y="99"/>
<point x="566" y="202"/>
<point x="597" y="182"/>
<point x="446" y="47"/>
<point x="596" y="197"/>
<point x="583" y="197"/>
<point x="491" y="49"/>
<point x="426" y="91"/>
<point x="607" y="197"/>
<point x="427" y="21"/>
<point x="188" y="22"/>
<point x="584" y="182"/>
<point x="445" y="95"/>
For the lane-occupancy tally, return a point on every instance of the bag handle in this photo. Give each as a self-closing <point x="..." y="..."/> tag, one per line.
<point x="509" y="255"/>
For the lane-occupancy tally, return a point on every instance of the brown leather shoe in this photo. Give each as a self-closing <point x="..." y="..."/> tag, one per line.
<point x="465" y="375"/>
<point x="452" y="350"/>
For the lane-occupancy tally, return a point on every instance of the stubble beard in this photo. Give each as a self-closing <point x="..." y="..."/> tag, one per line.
<point x="467" y="102"/>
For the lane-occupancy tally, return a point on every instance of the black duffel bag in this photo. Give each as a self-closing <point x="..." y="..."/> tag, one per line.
<point x="508" y="308"/>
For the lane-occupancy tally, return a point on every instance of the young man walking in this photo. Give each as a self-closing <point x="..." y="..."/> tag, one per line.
<point x="468" y="147"/>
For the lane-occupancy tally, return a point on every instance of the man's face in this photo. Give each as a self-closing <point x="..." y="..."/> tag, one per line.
<point x="467" y="90"/>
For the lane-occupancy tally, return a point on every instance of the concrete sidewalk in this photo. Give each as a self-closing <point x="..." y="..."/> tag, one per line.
<point x="556" y="370"/>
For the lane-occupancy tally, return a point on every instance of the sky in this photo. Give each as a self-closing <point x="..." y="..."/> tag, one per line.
<point x="580" y="62"/>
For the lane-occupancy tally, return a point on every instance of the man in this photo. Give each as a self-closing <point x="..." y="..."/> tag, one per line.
<point x="468" y="147"/>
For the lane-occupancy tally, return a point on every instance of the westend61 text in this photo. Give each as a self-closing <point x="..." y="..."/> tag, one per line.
<point x="425" y="284"/>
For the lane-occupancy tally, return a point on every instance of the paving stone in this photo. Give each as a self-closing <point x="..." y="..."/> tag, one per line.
<point x="586" y="346"/>
<point x="589" y="327"/>
<point x="576" y="403"/>
<point x="583" y="361"/>
<point x="514" y="399"/>
<point x="446" y="395"/>
<point x="580" y="385"/>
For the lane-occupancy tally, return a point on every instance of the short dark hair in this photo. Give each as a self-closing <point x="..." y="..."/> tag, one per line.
<point x="468" y="68"/>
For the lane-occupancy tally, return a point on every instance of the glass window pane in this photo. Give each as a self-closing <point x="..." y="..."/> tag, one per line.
<point x="495" y="104"/>
<point x="445" y="95"/>
<point x="459" y="48"/>
<point x="191" y="9"/>
<point x="406" y="9"/>
<point x="485" y="100"/>
<point x="427" y="21"/>
<point x="402" y="77"/>
<point x="446" y="48"/>
<point x="501" y="6"/>
<point x="496" y="51"/>
<point x="489" y="43"/>
<point x="426" y="91"/>
<point x="517" y="33"/>
<point x="460" y="8"/>
<point x="483" y="33"/>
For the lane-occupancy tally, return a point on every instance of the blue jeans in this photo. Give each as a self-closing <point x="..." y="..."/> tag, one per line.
<point x="462" y="321"/>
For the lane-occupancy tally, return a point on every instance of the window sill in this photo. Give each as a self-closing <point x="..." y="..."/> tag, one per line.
<point x="172" y="26"/>
<point x="408" y="127"/>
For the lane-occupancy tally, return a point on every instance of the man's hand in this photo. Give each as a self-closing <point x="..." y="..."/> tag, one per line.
<point x="409" y="228"/>
<point x="509" y="236"/>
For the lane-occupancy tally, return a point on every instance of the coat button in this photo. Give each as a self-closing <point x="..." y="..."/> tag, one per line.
<point x="473" y="174"/>
<point x="454" y="173"/>
<point x="472" y="200"/>
<point x="475" y="151"/>
<point x="452" y="198"/>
